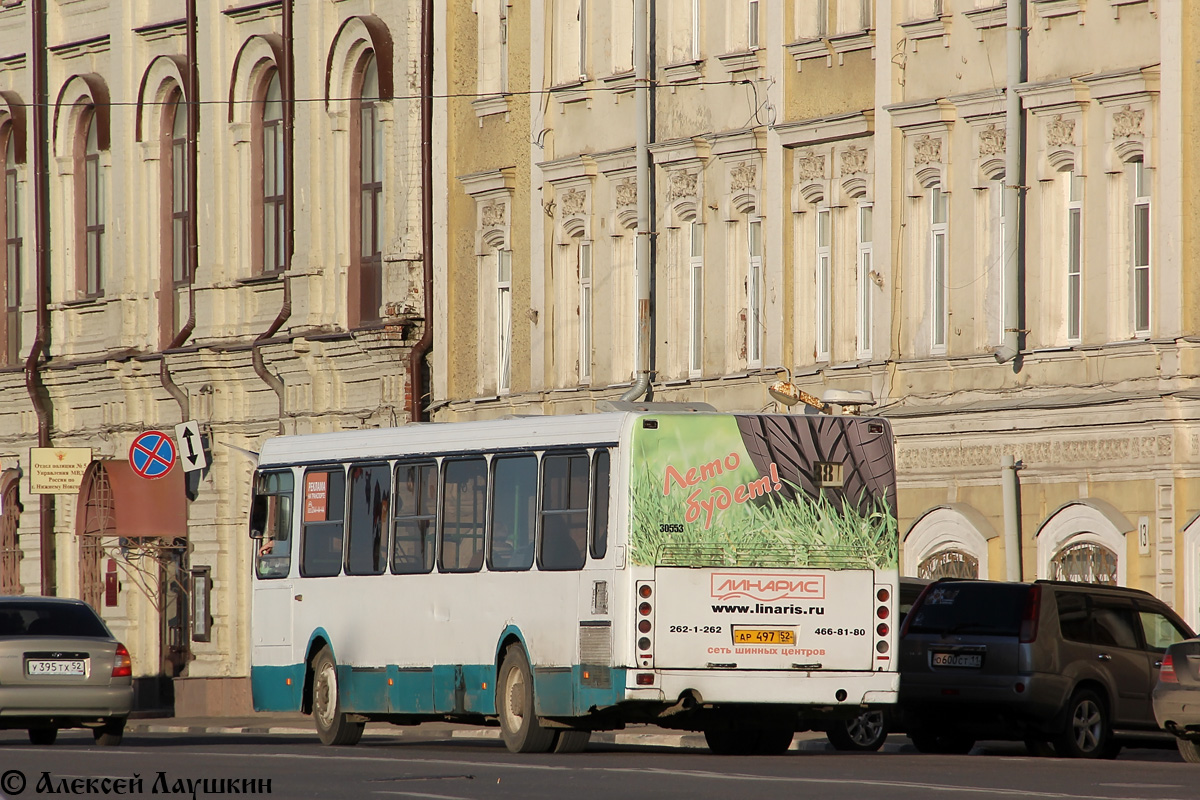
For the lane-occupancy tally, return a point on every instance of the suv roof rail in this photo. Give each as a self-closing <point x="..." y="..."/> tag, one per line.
<point x="1084" y="585"/>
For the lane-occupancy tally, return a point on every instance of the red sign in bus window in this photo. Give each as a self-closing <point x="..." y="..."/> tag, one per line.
<point x="316" y="496"/>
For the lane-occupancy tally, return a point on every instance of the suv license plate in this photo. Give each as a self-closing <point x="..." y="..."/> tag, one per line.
<point x="54" y="666"/>
<point x="969" y="660"/>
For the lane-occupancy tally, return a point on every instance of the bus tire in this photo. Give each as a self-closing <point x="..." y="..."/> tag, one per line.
<point x="333" y="726"/>
<point x="571" y="741"/>
<point x="519" y="726"/>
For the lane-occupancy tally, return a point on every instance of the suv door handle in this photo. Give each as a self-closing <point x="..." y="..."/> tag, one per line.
<point x="1104" y="657"/>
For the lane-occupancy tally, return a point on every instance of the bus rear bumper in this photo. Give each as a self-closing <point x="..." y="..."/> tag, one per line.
<point x="775" y="687"/>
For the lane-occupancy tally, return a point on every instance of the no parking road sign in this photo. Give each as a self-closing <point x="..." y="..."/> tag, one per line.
<point x="152" y="454"/>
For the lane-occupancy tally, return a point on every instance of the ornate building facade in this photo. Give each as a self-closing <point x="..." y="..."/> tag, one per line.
<point x="827" y="189"/>
<point x="229" y="202"/>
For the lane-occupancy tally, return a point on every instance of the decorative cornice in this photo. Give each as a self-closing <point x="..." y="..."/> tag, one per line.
<point x="1133" y="449"/>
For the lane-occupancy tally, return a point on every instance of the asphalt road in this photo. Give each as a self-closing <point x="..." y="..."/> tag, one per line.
<point x="464" y="768"/>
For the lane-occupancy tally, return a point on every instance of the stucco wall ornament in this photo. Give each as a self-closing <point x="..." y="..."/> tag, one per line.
<point x="683" y="184"/>
<point x="1127" y="122"/>
<point x="854" y="160"/>
<point x="744" y="177"/>
<point x="626" y="193"/>
<point x="991" y="141"/>
<point x="927" y="150"/>
<point x="492" y="215"/>
<point x="573" y="202"/>
<point x="1076" y="451"/>
<point x="1060" y="132"/>
<point x="810" y="166"/>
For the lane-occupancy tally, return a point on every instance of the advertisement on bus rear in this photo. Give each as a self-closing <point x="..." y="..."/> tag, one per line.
<point x="780" y="491"/>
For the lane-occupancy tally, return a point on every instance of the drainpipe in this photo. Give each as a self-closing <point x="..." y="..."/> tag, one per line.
<point x="191" y="95"/>
<point x="1014" y="159"/>
<point x="1012" y="519"/>
<point x="40" y="348"/>
<point x="289" y="131"/>
<point x="416" y="356"/>
<point x="641" y="101"/>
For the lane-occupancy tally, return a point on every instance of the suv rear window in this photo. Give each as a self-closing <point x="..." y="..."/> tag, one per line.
<point x="986" y="608"/>
<point x="50" y="619"/>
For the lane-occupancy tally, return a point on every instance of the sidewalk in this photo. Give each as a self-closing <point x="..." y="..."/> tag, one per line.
<point x="302" y="725"/>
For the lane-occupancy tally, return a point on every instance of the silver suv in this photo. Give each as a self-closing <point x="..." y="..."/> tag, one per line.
<point x="1066" y="667"/>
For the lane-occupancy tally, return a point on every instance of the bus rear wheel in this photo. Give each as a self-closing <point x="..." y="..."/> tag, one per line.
<point x="519" y="726"/>
<point x="333" y="726"/>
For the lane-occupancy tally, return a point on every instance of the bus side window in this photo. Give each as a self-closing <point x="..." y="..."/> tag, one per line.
<point x="463" y="501"/>
<point x="600" y="486"/>
<point x="514" y="499"/>
<point x="415" y="504"/>
<point x="565" y="481"/>
<point x="271" y="524"/>
<point x="324" y="515"/>
<point x="366" y="552"/>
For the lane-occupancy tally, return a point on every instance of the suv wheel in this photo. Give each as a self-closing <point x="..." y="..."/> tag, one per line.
<point x="865" y="732"/>
<point x="1189" y="749"/>
<point x="1088" y="732"/>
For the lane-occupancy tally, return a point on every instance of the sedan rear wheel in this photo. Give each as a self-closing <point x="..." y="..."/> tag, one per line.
<point x="43" y="735"/>
<point x="110" y="733"/>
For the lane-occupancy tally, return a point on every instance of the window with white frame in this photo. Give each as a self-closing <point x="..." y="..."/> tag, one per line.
<point x="696" y="297"/>
<point x="503" y="320"/>
<point x="271" y="159"/>
<point x="1139" y="185"/>
<point x="854" y="15"/>
<point x="13" y="212"/>
<point x="938" y="289"/>
<point x="812" y="20"/>
<point x="754" y="277"/>
<point x="1074" y="255"/>
<point x="621" y="40"/>
<point x="570" y="41"/>
<point x="865" y="267"/>
<point x="93" y="219"/>
<point x="752" y="22"/>
<point x="925" y="9"/>
<point x="695" y="29"/>
<point x="585" y="312"/>
<point x="492" y="18"/>
<point x="996" y="263"/>
<point x="824" y="295"/>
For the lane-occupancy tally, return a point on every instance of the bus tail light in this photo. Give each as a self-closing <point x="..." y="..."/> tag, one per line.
<point x="883" y="595"/>
<point x="645" y="626"/>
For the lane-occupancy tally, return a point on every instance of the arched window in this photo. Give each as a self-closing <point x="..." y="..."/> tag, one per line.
<point x="949" y="564"/>
<point x="366" y="292"/>
<point x="1085" y="562"/>
<point x="10" y="520"/>
<point x="273" y="169"/>
<point x="11" y="331"/>
<point x="90" y="211"/>
<point x="175" y="273"/>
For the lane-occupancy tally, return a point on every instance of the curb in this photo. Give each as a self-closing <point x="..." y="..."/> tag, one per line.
<point x="681" y="741"/>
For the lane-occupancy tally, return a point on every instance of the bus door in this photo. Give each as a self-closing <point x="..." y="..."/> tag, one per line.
<point x="271" y="526"/>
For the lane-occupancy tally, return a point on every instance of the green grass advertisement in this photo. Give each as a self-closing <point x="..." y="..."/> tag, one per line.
<point x="759" y="490"/>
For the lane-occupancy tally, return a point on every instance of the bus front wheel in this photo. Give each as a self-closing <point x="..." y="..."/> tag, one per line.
<point x="519" y="726"/>
<point x="333" y="726"/>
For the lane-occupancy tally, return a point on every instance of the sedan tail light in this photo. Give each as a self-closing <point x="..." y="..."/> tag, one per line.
<point x="1166" y="673"/>
<point x="123" y="664"/>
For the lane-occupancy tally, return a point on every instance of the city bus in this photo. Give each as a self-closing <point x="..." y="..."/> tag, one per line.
<point x="728" y="573"/>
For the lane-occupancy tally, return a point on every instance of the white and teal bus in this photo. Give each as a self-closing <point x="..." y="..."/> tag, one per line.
<point x="727" y="573"/>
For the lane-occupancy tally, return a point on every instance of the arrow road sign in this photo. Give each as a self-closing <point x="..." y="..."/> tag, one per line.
<point x="191" y="448"/>
<point x="152" y="454"/>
